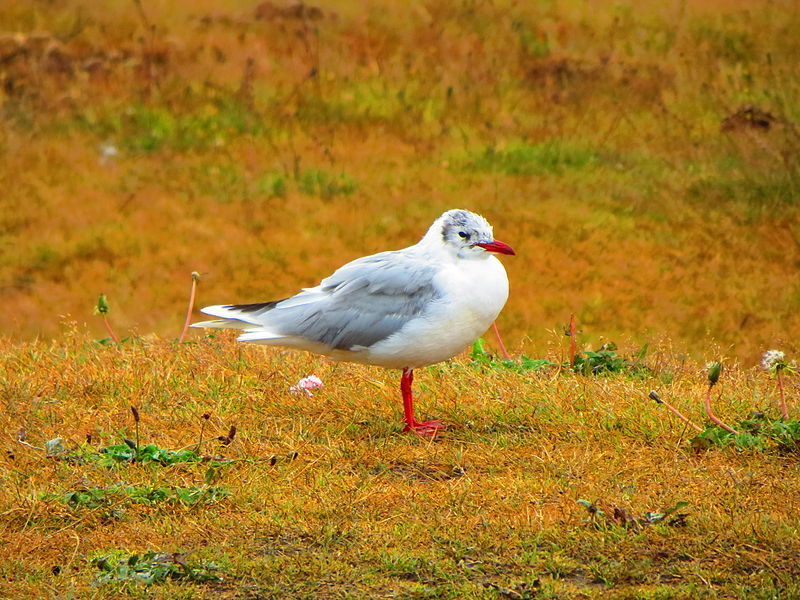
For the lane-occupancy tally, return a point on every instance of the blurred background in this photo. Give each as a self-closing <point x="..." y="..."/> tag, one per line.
<point x="640" y="157"/>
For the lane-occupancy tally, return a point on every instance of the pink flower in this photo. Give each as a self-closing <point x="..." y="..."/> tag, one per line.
<point x="306" y="384"/>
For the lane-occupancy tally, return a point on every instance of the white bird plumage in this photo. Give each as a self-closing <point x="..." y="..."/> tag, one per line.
<point x="400" y="309"/>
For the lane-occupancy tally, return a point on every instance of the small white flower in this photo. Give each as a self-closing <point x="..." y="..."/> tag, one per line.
<point x="108" y="152"/>
<point x="306" y="384"/>
<point x="773" y="359"/>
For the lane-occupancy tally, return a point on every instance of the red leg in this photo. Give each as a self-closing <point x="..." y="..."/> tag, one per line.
<point x="408" y="402"/>
<point x="424" y="428"/>
<point x="500" y="341"/>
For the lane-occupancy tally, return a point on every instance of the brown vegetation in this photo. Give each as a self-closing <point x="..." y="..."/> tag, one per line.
<point x="642" y="160"/>
<point x="265" y="144"/>
<point x="325" y="498"/>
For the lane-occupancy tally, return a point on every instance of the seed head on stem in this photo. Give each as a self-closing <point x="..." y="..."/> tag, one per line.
<point x="774" y="361"/>
<point x="102" y="308"/>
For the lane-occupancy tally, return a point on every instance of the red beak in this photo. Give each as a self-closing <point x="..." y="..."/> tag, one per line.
<point x="497" y="246"/>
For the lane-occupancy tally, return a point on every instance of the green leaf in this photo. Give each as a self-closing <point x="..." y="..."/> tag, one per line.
<point x="479" y="350"/>
<point x="210" y="476"/>
<point x="150" y="568"/>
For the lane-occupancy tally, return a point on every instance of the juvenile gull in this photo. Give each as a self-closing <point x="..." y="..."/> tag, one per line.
<point x="401" y="309"/>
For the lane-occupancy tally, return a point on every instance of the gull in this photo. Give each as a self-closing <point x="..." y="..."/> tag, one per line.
<point x="401" y="309"/>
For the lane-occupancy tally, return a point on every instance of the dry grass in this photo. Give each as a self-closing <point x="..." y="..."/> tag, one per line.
<point x="364" y="511"/>
<point x="641" y="159"/>
<point x="263" y="147"/>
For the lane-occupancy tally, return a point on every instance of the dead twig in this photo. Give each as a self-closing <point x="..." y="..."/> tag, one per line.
<point x="195" y="279"/>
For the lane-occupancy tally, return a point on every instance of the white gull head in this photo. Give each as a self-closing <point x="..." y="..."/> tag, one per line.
<point x="463" y="234"/>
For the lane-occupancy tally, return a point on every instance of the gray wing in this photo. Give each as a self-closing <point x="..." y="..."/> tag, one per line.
<point x="361" y="303"/>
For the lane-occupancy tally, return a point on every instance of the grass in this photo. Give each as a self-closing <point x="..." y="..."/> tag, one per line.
<point x="533" y="159"/>
<point x="117" y="495"/>
<point x="150" y="568"/>
<point x="641" y="160"/>
<point x="550" y="483"/>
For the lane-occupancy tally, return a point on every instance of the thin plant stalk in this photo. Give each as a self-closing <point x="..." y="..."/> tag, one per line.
<point x="205" y="418"/>
<point x="654" y="395"/>
<point x="110" y="331"/>
<point x="200" y="437"/>
<point x="102" y="308"/>
<point x="713" y="417"/>
<point x="500" y="341"/>
<point x="573" y="344"/>
<point x="784" y="408"/>
<point x="135" y="413"/>
<point x="195" y="279"/>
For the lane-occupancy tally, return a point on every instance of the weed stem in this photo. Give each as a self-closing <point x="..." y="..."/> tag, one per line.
<point x="200" y="438"/>
<point x="712" y="416"/>
<point x="135" y="413"/>
<point x="195" y="278"/>
<point x="675" y="411"/>
<point x="784" y="408"/>
<point x="110" y="331"/>
<point x="573" y="345"/>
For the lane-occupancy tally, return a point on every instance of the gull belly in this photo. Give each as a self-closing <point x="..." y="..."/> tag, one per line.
<point x="477" y="293"/>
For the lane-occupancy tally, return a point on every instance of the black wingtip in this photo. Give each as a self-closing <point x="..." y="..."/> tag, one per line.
<point x="256" y="307"/>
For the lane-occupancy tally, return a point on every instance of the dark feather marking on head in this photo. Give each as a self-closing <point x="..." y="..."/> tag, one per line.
<point x="458" y="218"/>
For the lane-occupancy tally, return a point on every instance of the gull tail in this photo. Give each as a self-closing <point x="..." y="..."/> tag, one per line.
<point x="241" y="316"/>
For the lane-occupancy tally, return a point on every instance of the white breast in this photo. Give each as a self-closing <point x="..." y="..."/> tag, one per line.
<point x="473" y="292"/>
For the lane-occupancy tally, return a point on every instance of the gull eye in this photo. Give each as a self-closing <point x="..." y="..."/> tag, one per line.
<point x="463" y="235"/>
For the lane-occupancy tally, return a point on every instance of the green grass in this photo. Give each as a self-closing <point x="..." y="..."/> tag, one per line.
<point x="118" y="495"/>
<point x="141" y="128"/>
<point x="318" y="182"/>
<point x="758" y="195"/>
<point x="151" y="568"/>
<point x="553" y="157"/>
